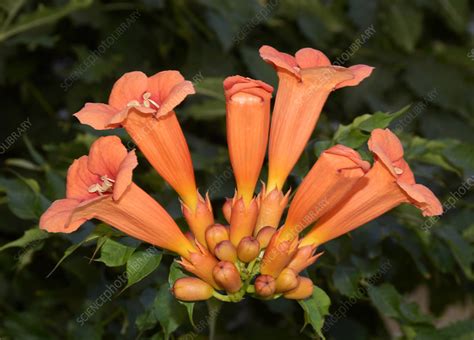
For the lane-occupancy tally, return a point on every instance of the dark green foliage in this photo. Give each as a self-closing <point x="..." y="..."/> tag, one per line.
<point x="58" y="54"/>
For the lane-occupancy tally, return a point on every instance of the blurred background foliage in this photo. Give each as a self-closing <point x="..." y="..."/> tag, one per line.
<point x="400" y="276"/>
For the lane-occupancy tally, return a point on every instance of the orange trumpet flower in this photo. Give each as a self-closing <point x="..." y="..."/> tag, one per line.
<point x="144" y="107"/>
<point x="248" y="121"/>
<point x="389" y="183"/>
<point x="305" y="82"/>
<point x="337" y="170"/>
<point x="100" y="186"/>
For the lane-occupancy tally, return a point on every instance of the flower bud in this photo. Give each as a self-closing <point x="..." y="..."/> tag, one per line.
<point x="303" y="290"/>
<point x="200" y="218"/>
<point x="242" y="222"/>
<point x="265" y="285"/>
<point x="216" y="234"/>
<point x="227" y="209"/>
<point x="225" y="251"/>
<point x="191" y="289"/>
<point x="226" y="274"/>
<point x="265" y="235"/>
<point x="248" y="249"/>
<point x="303" y="258"/>
<point x="287" y="280"/>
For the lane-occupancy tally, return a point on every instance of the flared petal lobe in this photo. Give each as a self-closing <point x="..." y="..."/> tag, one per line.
<point x="248" y="120"/>
<point x="97" y="116"/>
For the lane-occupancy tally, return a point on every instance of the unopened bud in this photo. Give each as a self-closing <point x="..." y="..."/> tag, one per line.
<point x="303" y="290"/>
<point x="287" y="280"/>
<point x="225" y="251"/>
<point x="265" y="285"/>
<point x="192" y="289"/>
<point x="226" y="274"/>
<point x="216" y="234"/>
<point x="265" y="235"/>
<point x="248" y="249"/>
<point x="227" y="209"/>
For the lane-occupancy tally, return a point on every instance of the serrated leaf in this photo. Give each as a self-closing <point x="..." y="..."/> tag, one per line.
<point x="315" y="309"/>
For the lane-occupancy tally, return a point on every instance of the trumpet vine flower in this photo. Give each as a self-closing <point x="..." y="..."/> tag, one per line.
<point x="254" y="253"/>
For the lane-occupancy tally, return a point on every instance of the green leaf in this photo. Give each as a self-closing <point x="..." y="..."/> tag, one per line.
<point x="30" y="236"/>
<point x="206" y="110"/>
<point x="389" y="303"/>
<point x="24" y="197"/>
<point x="462" y="156"/>
<point x="386" y="299"/>
<point x="403" y="23"/>
<point x="115" y="254"/>
<point x="455" y="13"/>
<point x="462" y="251"/>
<point x="357" y="133"/>
<point x="165" y="310"/>
<point x="98" y="232"/>
<point x="346" y="279"/>
<point x="141" y="264"/>
<point x="431" y="152"/>
<point x="210" y="87"/>
<point x="22" y="163"/>
<point x="42" y="16"/>
<point x="315" y="309"/>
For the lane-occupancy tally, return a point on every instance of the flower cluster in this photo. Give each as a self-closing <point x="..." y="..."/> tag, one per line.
<point x="250" y="254"/>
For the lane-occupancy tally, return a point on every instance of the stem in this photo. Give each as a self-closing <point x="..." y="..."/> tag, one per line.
<point x="214" y="307"/>
<point x="221" y="297"/>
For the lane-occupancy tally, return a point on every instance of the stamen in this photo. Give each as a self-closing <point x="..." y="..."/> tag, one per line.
<point x="133" y="103"/>
<point x="147" y="102"/>
<point x="106" y="186"/>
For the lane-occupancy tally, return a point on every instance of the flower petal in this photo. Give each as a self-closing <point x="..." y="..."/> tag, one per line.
<point x="279" y="59"/>
<point x="124" y="175"/>
<point x="175" y="97"/>
<point x="162" y="83"/>
<point x="57" y="217"/>
<point x="235" y="84"/>
<point x="309" y="57"/>
<point x="79" y="179"/>
<point x="106" y="156"/>
<point x="131" y="86"/>
<point x="387" y="147"/>
<point x="97" y="115"/>
<point x="423" y="198"/>
<point x="360" y="72"/>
